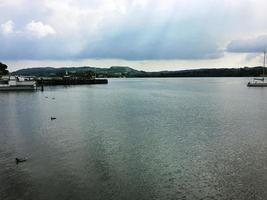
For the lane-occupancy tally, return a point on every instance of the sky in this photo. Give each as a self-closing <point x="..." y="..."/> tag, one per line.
<point x="150" y="35"/>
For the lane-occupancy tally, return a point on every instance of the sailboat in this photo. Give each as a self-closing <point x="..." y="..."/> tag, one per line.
<point x="260" y="81"/>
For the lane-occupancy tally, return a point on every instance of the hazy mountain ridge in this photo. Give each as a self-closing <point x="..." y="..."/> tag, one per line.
<point x="125" y="71"/>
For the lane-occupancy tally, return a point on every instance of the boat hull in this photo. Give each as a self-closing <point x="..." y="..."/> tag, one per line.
<point x="18" y="88"/>
<point x="257" y="84"/>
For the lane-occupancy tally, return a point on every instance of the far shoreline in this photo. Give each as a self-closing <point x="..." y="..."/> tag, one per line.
<point x="128" y="72"/>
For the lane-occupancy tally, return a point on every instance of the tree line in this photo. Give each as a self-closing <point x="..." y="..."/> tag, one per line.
<point x="3" y="69"/>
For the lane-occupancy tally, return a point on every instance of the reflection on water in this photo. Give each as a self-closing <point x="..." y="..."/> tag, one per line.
<point x="136" y="139"/>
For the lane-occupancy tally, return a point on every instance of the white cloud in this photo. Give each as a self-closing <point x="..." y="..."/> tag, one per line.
<point x="39" y="29"/>
<point x="8" y="27"/>
<point x="10" y="2"/>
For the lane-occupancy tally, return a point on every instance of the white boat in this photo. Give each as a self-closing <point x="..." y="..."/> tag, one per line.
<point x="16" y="83"/>
<point x="259" y="81"/>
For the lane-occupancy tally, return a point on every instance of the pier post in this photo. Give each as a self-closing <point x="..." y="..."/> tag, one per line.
<point x="42" y="84"/>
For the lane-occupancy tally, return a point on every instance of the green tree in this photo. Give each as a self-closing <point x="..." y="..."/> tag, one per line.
<point x="3" y="69"/>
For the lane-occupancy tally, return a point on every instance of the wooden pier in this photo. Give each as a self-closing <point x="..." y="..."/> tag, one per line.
<point x="70" y="81"/>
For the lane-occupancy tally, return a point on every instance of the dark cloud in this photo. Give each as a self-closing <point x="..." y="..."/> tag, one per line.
<point x="254" y="45"/>
<point x="152" y="40"/>
<point x="147" y="40"/>
<point x="20" y="47"/>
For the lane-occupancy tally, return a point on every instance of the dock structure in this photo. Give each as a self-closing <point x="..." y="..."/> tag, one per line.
<point x="50" y="81"/>
<point x="22" y="83"/>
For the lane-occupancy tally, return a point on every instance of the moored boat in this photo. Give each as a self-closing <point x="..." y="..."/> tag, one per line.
<point x="257" y="84"/>
<point x="17" y="83"/>
<point x="259" y="81"/>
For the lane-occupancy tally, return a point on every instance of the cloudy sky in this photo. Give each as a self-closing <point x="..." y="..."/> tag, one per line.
<point x="145" y="34"/>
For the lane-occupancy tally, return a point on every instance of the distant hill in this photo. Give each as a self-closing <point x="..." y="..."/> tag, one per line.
<point x="124" y="71"/>
<point x="114" y="71"/>
<point x="50" y="71"/>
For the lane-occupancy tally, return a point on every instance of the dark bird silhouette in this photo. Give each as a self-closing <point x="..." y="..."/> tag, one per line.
<point x="19" y="160"/>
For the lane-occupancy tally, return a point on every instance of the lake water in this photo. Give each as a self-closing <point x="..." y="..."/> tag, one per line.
<point x="136" y="139"/>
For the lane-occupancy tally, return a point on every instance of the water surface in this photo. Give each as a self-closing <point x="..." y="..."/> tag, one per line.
<point x="136" y="139"/>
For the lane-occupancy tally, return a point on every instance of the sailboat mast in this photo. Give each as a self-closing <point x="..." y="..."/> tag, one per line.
<point x="264" y="60"/>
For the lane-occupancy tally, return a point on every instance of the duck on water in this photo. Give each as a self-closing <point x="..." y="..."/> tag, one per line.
<point x="19" y="160"/>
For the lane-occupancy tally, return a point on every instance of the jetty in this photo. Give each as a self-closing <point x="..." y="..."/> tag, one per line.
<point x="51" y="81"/>
<point x="21" y="83"/>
